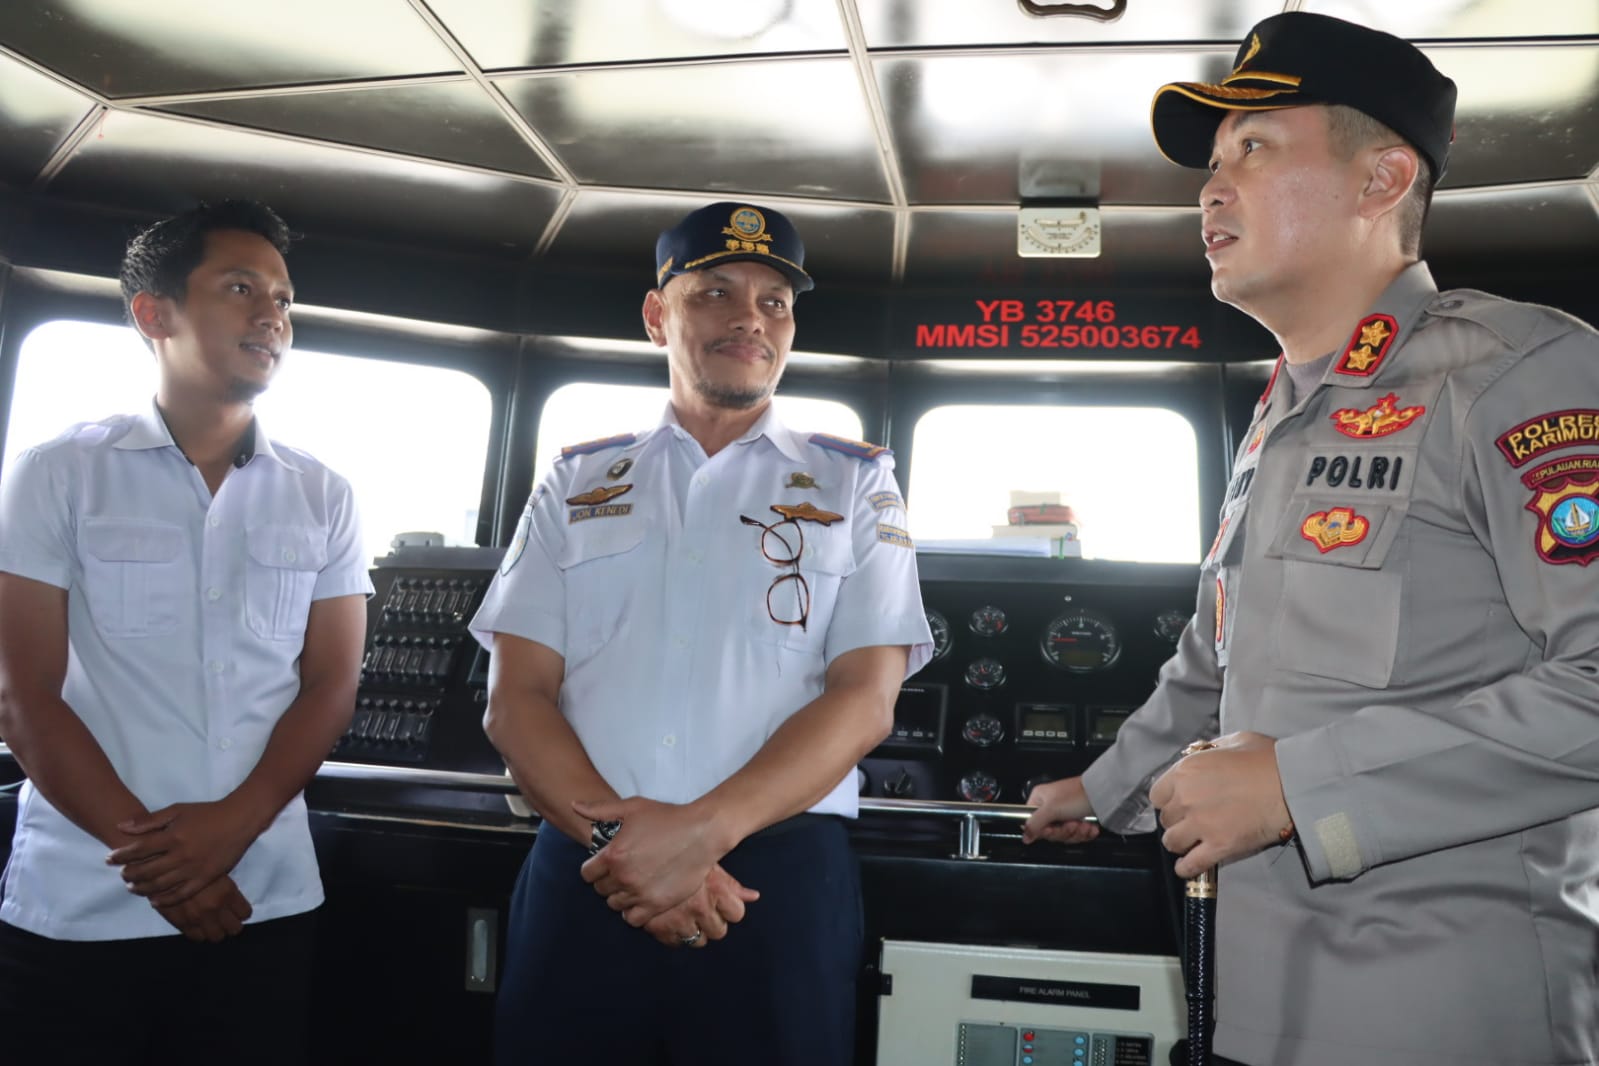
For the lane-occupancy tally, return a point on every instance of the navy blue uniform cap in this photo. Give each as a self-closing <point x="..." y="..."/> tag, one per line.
<point x="727" y="232"/>
<point x="1299" y="58"/>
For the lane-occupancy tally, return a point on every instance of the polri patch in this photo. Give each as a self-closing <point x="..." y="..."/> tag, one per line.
<point x="1336" y="528"/>
<point x="1368" y="346"/>
<point x="882" y="501"/>
<point x="894" y="535"/>
<point x="1521" y="444"/>
<point x="1377" y="421"/>
<point x="1565" y="497"/>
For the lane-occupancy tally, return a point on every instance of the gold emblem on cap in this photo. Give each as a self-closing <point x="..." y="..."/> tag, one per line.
<point x="748" y="223"/>
<point x="598" y="495"/>
<point x="806" y="512"/>
<point x="1254" y="49"/>
<point x="799" y="479"/>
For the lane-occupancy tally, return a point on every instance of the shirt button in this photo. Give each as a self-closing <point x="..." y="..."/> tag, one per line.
<point x="702" y="481"/>
<point x="225" y="743"/>
<point x="695" y="557"/>
<point x="670" y="740"/>
<point x="213" y="521"/>
<point x="215" y="666"/>
<point x="288" y="555"/>
<point x="213" y="593"/>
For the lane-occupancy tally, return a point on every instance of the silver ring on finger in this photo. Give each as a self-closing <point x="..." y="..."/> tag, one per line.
<point x="690" y="941"/>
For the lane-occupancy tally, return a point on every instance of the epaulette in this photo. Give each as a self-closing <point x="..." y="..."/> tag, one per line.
<point x="589" y="447"/>
<point x="857" y="448"/>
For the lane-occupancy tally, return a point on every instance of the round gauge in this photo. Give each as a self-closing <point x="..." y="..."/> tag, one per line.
<point x="985" y="674"/>
<point x="1080" y="641"/>
<point x="983" y="730"/>
<point x="1169" y="625"/>
<point x="988" y="621"/>
<point x="978" y="787"/>
<point x="942" y="641"/>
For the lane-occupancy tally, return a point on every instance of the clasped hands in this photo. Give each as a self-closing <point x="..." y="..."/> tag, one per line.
<point x="661" y="873"/>
<point x="1216" y="805"/>
<point x="180" y="861"/>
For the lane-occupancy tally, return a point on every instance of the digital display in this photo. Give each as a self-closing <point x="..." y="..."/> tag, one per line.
<point x="1104" y="722"/>
<point x="1045" y="723"/>
<point x="919" y="717"/>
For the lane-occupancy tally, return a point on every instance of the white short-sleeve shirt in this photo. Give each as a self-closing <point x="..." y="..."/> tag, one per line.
<point x="631" y="561"/>
<point x="185" y="620"/>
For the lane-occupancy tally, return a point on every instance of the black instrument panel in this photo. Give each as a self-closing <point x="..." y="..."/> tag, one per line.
<point x="1036" y="665"/>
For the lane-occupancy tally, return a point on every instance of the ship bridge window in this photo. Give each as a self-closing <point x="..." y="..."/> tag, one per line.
<point x="386" y="426"/>
<point x="1095" y="482"/>
<point x="585" y="411"/>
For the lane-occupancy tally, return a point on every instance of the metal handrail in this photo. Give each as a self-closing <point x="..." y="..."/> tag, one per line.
<point x="968" y="815"/>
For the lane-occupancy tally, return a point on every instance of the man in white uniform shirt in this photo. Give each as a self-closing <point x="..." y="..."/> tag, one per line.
<point x="182" y="607"/>
<point x="697" y="633"/>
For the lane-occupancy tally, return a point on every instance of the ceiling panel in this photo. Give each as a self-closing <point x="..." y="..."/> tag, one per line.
<point x="972" y="23"/>
<point x="36" y="114"/>
<point x="979" y="247"/>
<point x="462" y="124"/>
<point x="503" y="34"/>
<point x="161" y="165"/>
<point x="619" y="229"/>
<point x="975" y="129"/>
<point x="796" y="127"/>
<point x="1516" y="228"/>
<point x="143" y="47"/>
<point x="1524" y="114"/>
<point x="1433" y="19"/>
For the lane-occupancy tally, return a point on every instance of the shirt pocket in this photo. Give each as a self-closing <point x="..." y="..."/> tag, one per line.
<point x="600" y="565"/>
<point x="1343" y="585"/>
<point x="133" y="576"/>
<point x="774" y="600"/>
<point x="280" y="572"/>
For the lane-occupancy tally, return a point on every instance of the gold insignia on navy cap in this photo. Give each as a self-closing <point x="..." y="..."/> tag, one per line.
<point x="728" y="232"/>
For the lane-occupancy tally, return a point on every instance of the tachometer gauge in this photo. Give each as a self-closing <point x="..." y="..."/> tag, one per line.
<point x="983" y="730"/>
<point x="942" y="641"/>
<point x="1080" y="641"/>
<point x="988" y="621"/>
<point x="1169" y="625"/>
<point x="979" y="786"/>
<point x="985" y="674"/>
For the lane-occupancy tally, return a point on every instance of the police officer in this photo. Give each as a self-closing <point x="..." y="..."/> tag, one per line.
<point x="698" y="631"/>
<point x="182" y="606"/>
<point x="1398" y="624"/>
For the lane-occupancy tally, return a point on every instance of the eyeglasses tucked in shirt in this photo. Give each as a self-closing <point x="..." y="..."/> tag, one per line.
<point x="772" y="538"/>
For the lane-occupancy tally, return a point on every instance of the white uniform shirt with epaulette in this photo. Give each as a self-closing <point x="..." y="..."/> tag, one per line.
<point x="632" y="561"/>
<point x="1405" y="591"/>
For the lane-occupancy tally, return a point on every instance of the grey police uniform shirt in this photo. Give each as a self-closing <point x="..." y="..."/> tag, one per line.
<point x="1405" y="592"/>
<point x="631" y="561"/>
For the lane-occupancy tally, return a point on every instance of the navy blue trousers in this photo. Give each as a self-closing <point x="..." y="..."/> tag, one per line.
<point x="581" y="985"/>
<point x="158" y="1000"/>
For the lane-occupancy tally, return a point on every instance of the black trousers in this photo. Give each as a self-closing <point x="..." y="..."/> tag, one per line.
<point x="161" y="1001"/>
<point x="581" y="985"/>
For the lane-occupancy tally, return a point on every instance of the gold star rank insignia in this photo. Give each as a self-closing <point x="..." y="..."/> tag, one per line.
<point x="806" y="512"/>
<point x="1367" y="346"/>
<point x="598" y="495"/>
